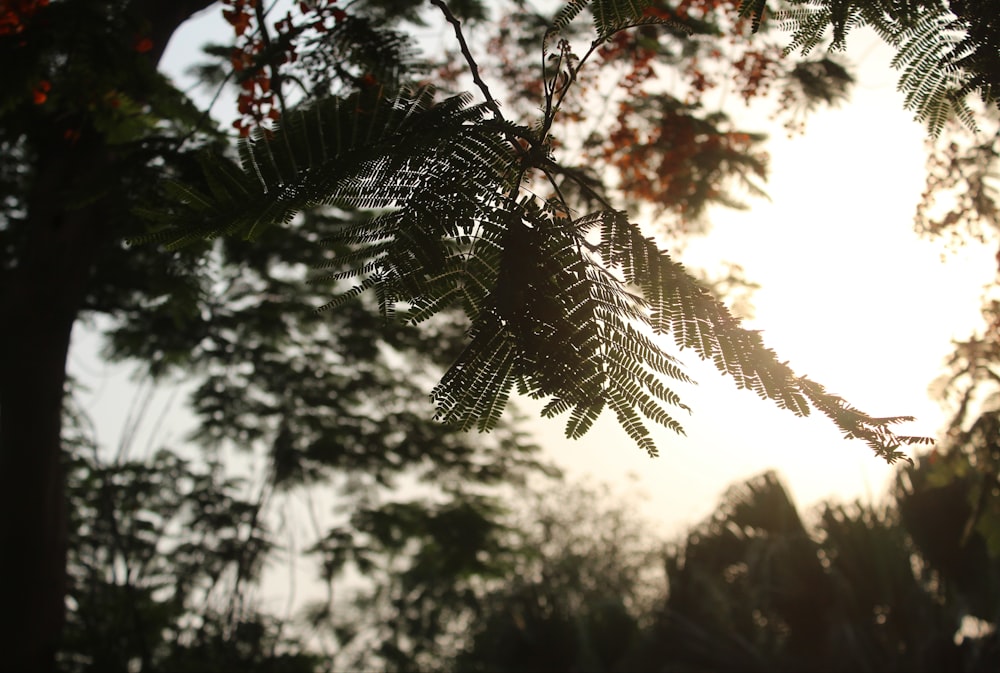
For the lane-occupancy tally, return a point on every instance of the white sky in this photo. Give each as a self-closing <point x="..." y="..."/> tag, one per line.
<point x="850" y="296"/>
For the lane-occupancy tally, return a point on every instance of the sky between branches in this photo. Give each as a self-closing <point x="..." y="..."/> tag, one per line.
<point x="850" y="296"/>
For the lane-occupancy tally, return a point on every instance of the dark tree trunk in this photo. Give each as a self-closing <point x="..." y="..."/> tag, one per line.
<point x="40" y="299"/>
<point x="40" y="303"/>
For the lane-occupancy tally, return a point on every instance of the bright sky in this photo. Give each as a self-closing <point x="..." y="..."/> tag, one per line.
<point x="850" y="296"/>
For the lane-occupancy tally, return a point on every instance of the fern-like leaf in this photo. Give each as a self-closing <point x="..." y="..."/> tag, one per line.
<point x="553" y="316"/>
<point x="681" y="307"/>
<point x="930" y="82"/>
<point x="360" y="151"/>
<point x="755" y="10"/>
<point x="610" y="16"/>
<point x="934" y="50"/>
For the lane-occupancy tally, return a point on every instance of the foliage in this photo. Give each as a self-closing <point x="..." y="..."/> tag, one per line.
<point x="161" y="553"/>
<point x="194" y="549"/>
<point x="577" y="597"/>
<point x="331" y="405"/>
<point x="960" y="206"/>
<point x="424" y="564"/>
<point x="959" y="203"/>
<point x="553" y="315"/>
<point x="944" y="50"/>
<point x="338" y="399"/>
<point x="753" y="588"/>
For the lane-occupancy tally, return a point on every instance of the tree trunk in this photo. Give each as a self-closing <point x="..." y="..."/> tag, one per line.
<point x="40" y="303"/>
<point x="40" y="299"/>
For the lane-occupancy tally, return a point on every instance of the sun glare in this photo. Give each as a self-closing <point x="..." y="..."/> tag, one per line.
<point x="849" y="295"/>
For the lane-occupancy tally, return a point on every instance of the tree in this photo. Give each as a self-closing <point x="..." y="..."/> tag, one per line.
<point x="90" y="130"/>
<point x="869" y="587"/>
<point x="323" y="429"/>
<point x="951" y="502"/>
<point x="158" y="574"/>
<point x="945" y="49"/>
<point x="579" y="598"/>
<point x="553" y="315"/>
<point x="194" y="309"/>
<point x="752" y="588"/>
<point x="67" y="172"/>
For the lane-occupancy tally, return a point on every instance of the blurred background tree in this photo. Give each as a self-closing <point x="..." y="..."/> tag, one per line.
<point x="753" y="588"/>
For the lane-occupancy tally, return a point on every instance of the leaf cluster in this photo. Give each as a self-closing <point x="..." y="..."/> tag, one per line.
<point x="758" y="585"/>
<point x="152" y="544"/>
<point x="943" y="50"/>
<point x="560" y="308"/>
<point x="552" y="314"/>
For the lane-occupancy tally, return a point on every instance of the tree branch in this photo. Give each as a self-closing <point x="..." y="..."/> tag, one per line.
<point x="473" y="67"/>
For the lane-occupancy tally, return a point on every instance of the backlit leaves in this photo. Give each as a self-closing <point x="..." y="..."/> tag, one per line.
<point x="942" y="57"/>
<point x="610" y="16"/>
<point x="577" y="311"/>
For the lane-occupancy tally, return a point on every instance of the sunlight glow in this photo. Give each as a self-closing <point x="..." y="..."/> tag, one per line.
<point x="849" y="295"/>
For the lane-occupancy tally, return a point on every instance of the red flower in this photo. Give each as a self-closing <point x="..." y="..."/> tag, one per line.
<point x="41" y="91"/>
<point x="142" y="44"/>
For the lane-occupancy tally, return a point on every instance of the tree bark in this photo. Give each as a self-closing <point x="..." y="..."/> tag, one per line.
<point x="40" y="300"/>
<point x="40" y="304"/>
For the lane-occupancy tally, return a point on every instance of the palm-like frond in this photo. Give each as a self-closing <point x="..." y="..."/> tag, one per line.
<point x="931" y="81"/>
<point x="682" y="307"/>
<point x="755" y="10"/>
<point x="610" y="16"/>
<point x="553" y="316"/>
<point x="557" y="325"/>
<point x="934" y="50"/>
<point x="361" y="151"/>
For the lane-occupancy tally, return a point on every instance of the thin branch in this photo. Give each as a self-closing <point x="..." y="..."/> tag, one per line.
<point x="473" y="67"/>
<point x="265" y="37"/>
<point x="575" y="176"/>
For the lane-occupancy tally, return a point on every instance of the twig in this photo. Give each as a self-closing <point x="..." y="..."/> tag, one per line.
<point x="265" y="37"/>
<point x="473" y="67"/>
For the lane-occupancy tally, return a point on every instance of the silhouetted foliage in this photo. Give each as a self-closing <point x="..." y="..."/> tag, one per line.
<point x="160" y="558"/>
<point x="753" y="588"/>
<point x="579" y="595"/>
